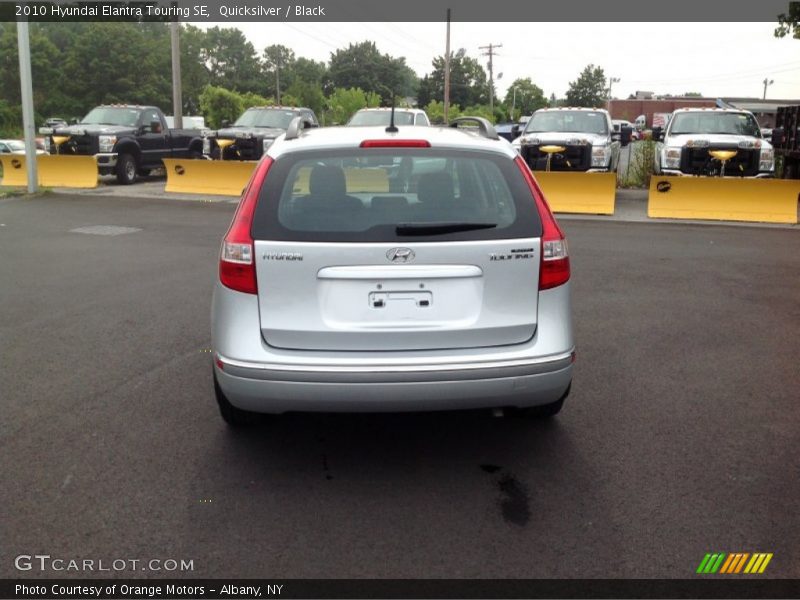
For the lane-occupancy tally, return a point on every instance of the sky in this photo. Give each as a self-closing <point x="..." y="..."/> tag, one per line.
<point x="715" y="59"/>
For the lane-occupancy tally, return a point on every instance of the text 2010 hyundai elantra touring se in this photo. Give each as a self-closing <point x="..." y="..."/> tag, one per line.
<point x="368" y="269"/>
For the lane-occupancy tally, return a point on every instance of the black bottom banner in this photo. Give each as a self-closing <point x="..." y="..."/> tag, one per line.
<point x="245" y="589"/>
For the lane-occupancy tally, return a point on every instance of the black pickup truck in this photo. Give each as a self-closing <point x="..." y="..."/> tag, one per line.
<point x="127" y="140"/>
<point x="253" y="133"/>
<point x="786" y="140"/>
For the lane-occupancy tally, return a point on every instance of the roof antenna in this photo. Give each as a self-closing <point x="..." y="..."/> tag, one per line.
<point x="392" y="128"/>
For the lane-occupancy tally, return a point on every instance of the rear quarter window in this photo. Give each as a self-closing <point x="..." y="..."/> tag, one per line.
<point x="362" y="195"/>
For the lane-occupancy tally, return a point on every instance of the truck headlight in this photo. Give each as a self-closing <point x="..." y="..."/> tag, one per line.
<point x="266" y="143"/>
<point x="672" y="158"/>
<point x="600" y="156"/>
<point x="206" y="146"/>
<point x="107" y="143"/>
<point x="767" y="160"/>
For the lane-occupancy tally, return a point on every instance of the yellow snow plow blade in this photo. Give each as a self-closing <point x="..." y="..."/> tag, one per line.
<point x="724" y="198"/>
<point x="13" y="170"/>
<point x="68" y="171"/>
<point x="199" y="176"/>
<point x="588" y="193"/>
<point x="53" y="171"/>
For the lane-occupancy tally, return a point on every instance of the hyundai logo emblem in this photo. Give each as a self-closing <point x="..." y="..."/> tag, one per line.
<point x="400" y="255"/>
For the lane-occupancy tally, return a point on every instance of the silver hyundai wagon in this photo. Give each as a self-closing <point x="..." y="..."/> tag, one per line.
<point x="371" y="269"/>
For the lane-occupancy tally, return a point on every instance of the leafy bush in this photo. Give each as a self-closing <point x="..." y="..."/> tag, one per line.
<point x="435" y="112"/>
<point x="343" y="102"/>
<point x="218" y="104"/>
<point x="640" y="166"/>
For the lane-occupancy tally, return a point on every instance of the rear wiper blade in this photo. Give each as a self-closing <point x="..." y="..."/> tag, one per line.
<point x="439" y="228"/>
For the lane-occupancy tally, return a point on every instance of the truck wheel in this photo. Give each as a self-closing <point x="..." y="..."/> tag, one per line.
<point x="126" y="169"/>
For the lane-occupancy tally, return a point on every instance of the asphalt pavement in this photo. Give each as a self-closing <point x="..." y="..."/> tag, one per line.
<point x="681" y="436"/>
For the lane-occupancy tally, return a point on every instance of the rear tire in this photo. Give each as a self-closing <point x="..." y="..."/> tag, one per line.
<point x="234" y="417"/>
<point x="126" y="169"/>
<point x="543" y="411"/>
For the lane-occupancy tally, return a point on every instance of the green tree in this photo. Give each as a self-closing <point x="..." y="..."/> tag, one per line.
<point x="218" y="104"/>
<point x="789" y="23"/>
<point x="231" y="61"/>
<point x="279" y="63"/>
<point x="138" y="74"/>
<point x="308" y="95"/>
<point x="589" y="89"/>
<point x="194" y="74"/>
<point x="528" y="98"/>
<point x="363" y="66"/>
<point x="48" y="90"/>
<point x="468" y="81"/>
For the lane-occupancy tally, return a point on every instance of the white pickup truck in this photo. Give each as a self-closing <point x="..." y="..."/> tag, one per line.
<point x="586" y="134"/>
<point x="693" y="134"/>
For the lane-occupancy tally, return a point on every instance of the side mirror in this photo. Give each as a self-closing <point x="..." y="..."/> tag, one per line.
<point x="777" y="137"/>
<point x="226" y="123"/>
<point x="625" y="135"/>
<point x="73" y="121"/>
<point x="658" y="134"/>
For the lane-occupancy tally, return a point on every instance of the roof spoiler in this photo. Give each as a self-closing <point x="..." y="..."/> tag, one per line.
<point x="485" y="128"/>
<point x="296" y="127"/>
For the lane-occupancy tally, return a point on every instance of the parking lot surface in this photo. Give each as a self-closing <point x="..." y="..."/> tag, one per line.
<point x="681" y="435"/>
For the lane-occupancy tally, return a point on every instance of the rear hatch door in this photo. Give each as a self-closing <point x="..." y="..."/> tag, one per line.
<point x="348" y="258"/>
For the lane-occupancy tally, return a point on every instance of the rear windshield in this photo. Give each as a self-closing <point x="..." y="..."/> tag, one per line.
<point x="380" y="117"/>
<point x="362" y="195"/>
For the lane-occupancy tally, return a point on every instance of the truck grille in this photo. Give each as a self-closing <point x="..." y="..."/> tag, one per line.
<point x="85" y="145"/>
<point x="244" y="149"/>
<point x="574" y="158"/>
<point x="697" y="161"/>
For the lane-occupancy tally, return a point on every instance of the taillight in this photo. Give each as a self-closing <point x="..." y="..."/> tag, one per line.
<point x="554" y="263"/>
<point x="237" y="269"/>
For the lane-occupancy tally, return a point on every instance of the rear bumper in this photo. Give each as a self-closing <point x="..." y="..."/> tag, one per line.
<point x="257" y="377"/>
<point x="277" y="391"/>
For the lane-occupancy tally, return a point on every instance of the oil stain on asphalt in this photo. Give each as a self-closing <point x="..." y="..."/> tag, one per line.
<point x="514" y="501"/>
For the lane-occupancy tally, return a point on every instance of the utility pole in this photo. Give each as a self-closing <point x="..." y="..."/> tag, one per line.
<point x="767" y="81"/>
<point x="278" y="78"/>
<point x="490" y="52"/>
<point x="177" y="92"/>
<point x="611" y="82"/>
<point x="26" y="85"/>
<point x="447" y="70"/>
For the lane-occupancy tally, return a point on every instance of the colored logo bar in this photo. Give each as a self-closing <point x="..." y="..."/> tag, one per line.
<point x="734" y="563"/>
